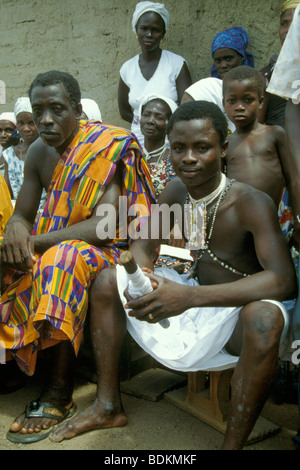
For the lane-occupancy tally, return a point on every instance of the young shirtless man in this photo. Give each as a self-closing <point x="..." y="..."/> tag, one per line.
<point x="228" y="310"/>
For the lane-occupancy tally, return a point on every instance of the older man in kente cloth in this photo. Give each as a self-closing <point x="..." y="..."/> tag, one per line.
<point x="51" y="263"/>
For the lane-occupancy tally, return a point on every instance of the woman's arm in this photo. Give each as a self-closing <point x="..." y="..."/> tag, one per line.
<point x="123" y="102"/>
<point x="184" y="80"/>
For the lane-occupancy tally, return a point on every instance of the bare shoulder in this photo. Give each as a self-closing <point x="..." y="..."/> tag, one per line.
<point x="38" y="151"/>
<point x="175" y="192"/>
<point x="277" y="132"/>
<point x="250" y="203"/>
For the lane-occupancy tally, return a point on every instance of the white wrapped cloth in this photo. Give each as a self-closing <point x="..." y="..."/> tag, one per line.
<point x="285" y="80"/>
<point x="144" y="7"/>
<point x="8" y="117"/>
<point x="22" y="105"/>
<point x="195" y="339"/>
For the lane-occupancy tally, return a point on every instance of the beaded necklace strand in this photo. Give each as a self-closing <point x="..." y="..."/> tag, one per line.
<point x="206" y="239"/>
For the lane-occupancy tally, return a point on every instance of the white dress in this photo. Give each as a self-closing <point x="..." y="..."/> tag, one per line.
<point x="162" y="82"/>
<point x="210" y="89"/>
<point x="285" y="81"/>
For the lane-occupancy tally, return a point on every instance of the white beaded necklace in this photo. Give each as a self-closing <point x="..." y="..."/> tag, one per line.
<point x="155" y="153"/>
<point x="212" y="196"/>
<point x="198" y="216"/>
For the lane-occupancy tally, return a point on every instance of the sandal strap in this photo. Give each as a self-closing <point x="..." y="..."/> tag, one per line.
<point x="38" y="409"/>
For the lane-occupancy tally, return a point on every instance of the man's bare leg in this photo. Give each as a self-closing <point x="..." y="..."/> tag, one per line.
<point x="58" y="391"/>
<point x="108" y="328"/>
<point x="256" y="339"/>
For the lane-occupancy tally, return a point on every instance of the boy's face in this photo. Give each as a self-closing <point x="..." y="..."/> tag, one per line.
<point x="242" y="102"/>
<point x="196" y="151"/>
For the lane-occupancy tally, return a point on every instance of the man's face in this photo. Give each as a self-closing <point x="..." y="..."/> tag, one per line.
<point x="196" y="151"/>
<point x="55" y="117"/>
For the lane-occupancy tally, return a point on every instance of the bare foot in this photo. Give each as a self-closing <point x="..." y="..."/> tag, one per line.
<point x="88" y="420"/>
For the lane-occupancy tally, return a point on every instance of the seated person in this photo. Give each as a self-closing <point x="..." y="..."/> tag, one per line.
<point x="90" y="110"/>
<point x="15" y="155"/>
<point x="229" y="50"/>
<point x="7" y="126"/>
<point x="6" y="208"/>
<point x="53" y="262"/>
<point x="230" y="312"/>
<point x="155" y="112"/>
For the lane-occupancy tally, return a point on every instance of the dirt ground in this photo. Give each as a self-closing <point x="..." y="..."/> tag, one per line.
<point x="152" y="426"/>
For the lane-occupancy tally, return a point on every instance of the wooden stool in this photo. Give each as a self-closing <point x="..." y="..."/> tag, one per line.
<point x="207" y="397"/>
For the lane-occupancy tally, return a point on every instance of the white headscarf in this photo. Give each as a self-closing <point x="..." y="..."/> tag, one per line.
<point x="154" y="96"/>
<point x="91" y="109"/>
<point x="8" y="117"/>
<point x="22" y="105"/>
<point x="144" y="7"/>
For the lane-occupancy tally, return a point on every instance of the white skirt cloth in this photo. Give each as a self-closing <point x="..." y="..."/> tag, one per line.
<point x="195" y="339"/>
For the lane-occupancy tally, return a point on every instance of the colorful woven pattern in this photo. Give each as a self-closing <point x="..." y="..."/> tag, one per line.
<point x="38" y="311"/>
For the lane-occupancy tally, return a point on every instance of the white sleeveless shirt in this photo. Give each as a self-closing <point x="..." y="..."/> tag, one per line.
<point x="162" y="82"/>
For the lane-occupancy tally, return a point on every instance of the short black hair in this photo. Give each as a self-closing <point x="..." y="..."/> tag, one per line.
<point x="54" y="77"/>
<point x="201" y="110"/>
<point x="243" y="72"/>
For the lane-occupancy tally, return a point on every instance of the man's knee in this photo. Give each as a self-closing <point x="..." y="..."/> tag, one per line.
<point x="104" y="286"/>
<point x="263" y="321"/>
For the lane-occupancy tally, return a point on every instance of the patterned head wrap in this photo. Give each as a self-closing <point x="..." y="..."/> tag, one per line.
<point x="8" y="117"/>
<point x="22" y="105"/>
<point x="91" y="109"/>
<point x="234" y="38"/>
<point x="288" y="4"/>
<point x="154" y="96"/>
<point x="144" y="7"/>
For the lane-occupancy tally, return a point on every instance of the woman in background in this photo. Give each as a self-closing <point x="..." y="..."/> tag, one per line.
<point x="154" y="70"/>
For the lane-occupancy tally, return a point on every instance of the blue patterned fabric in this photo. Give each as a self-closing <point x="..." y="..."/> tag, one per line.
<point x="234" y="38"/>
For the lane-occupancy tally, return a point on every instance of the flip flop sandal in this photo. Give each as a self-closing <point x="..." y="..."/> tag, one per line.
<point x="38" y="409"/>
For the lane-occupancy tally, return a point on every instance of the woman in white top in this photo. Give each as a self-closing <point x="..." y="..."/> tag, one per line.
<point x="154" y="70"/>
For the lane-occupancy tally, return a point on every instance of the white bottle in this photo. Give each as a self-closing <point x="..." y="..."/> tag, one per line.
<point x="139" y="284"/>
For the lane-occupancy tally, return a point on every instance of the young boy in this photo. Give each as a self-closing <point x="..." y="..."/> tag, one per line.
<point x="257" y="154"/>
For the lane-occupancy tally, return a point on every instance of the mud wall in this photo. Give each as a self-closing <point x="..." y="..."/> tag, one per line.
<point x="92" y="38"/>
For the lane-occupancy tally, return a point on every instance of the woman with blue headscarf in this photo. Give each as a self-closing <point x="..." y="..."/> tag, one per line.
<point x="229" y="50"/>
